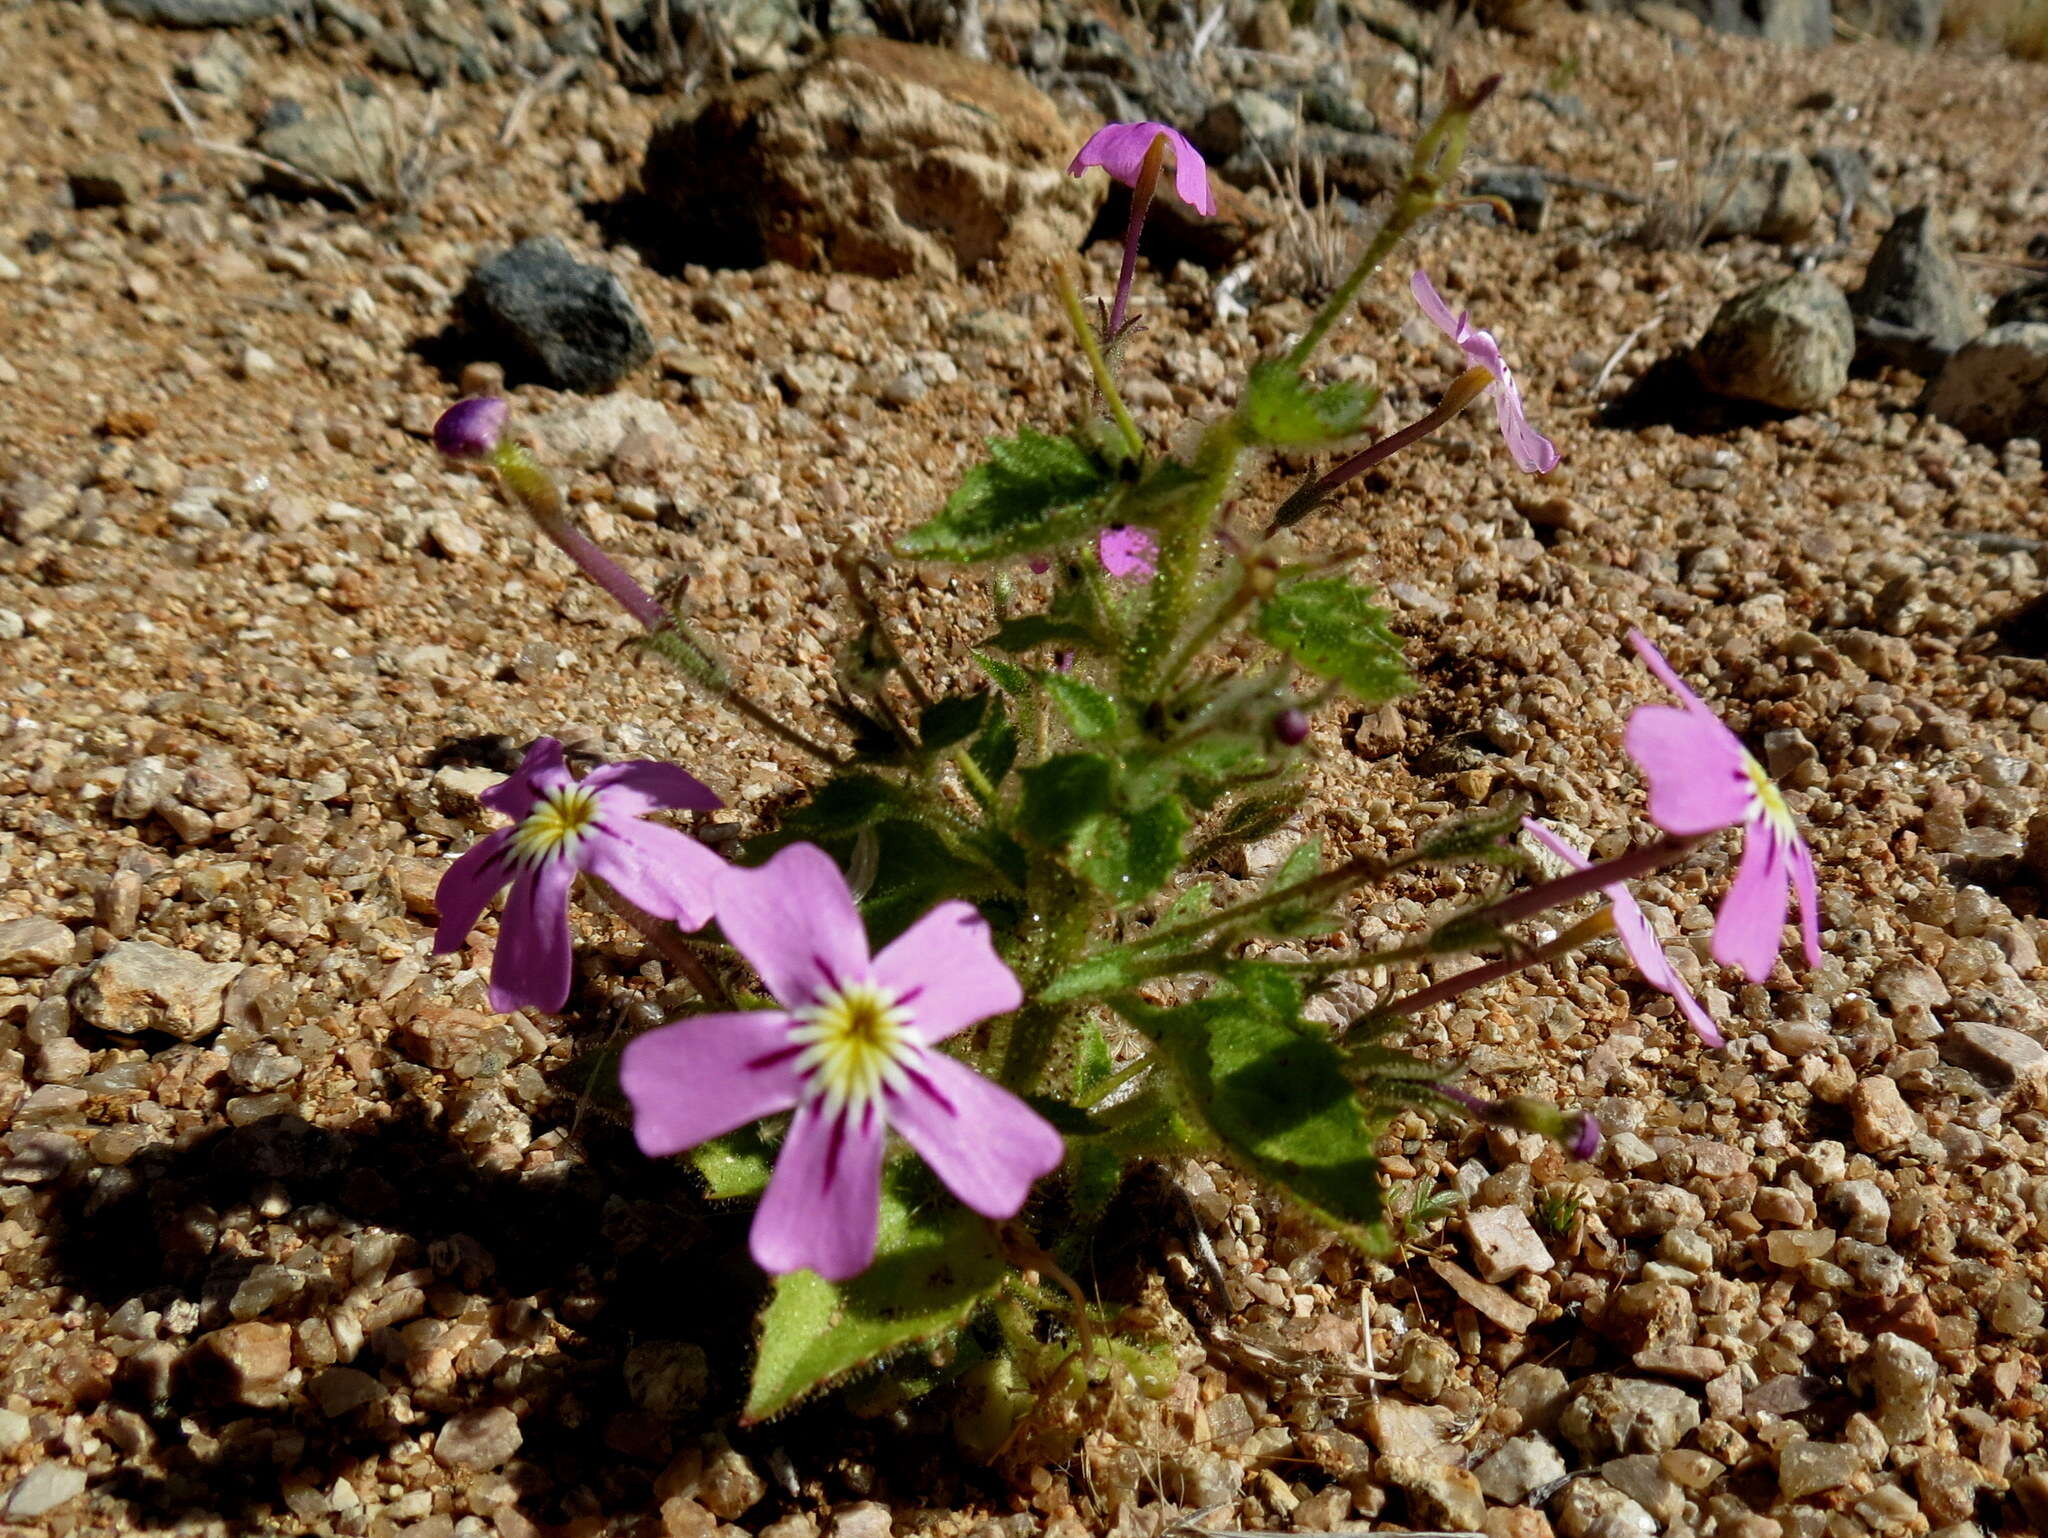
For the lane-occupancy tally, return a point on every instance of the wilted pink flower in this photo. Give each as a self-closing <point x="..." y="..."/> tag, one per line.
<point x="1120" y="149"/>
<point x="1632" y="925"/>
<point x="1529" y="448"/>
<point x="1126" y="550"/>
<point x="469" y="429"/>
<point x="853" y="1049"/>
<point x="1702" y="779"/>
<point x="561" y="826"/>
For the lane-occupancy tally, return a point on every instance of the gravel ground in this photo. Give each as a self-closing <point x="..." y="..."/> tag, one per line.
<point x="299" y="1238"/>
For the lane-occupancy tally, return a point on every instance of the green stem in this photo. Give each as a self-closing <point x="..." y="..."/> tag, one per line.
<point x="1183" y="540"/>
<point x="1582" y="933"/>
<point x="1105" y="382"/>
<point x="675" y="642"/>
<point x="1218" y="621"/>
<point x="1308" y="497"/>
<point x="1115" y="1081"/>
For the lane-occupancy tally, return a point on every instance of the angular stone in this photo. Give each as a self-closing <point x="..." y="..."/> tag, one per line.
<point x="543" y="314"/>
<point x="1774" y="196"/>
<point x="1996" y="387"/>
<point x="882" y="158"/>
<point x="107" y="181"/>
<point x="1510" y="1313"/>
<point x="864" y="1519"/>
<point x="1439" y="1495"/>
<point x="140" y="986"/>
<point x="1643" y="1478"/>
<point x="1807" y="1468"/>
<point x="1518" y="1468"/>
<point x="42" y="1489"/>
<point x="479" y="1440"/>
<point x="1879" y="1115"/>
<point x="1593" y="1506"/>
<point x="338" y="1390"/>
<point x="1611" y="1416"/>
<point x="1902" y="1373"/>
<point x="1915" y="307"/>
<point x="1948" y="1486"/>
<point x="1403" y="1430"/>
<point x="2005" y="1059"/>
<point x="245" y="1363"/>
<point x="1505" y="1243"/>
<point x="34" y="947"/>
<point x="1786" y="343"/>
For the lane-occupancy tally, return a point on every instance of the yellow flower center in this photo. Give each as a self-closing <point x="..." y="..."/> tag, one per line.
<point x="556" y="824"/>
<point x="855" y="1040"/>
<point x="1771" y="798"/>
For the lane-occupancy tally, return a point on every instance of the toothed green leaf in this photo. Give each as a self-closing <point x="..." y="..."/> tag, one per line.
<point x="1032" y="493"/>
<point x="1328" y="626"/>
<point x="1280" y="408"/>
<point x="1089" y="711"/>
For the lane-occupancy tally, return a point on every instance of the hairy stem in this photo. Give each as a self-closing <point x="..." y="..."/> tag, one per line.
<point x="1105" y="382"/>
<point x="1141" y="200"/>
<point x="1306" y="499"/>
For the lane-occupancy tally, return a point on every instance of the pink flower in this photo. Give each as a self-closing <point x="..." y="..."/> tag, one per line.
<point x="470" y="428"/>
<point x="1529" y="448"/>
<point x="1120" y="149"/>
<point x="1637" y="938"/>
<point x="1702" y="779"/>
<point x="1127" y="550"/>
<point x="853" y="1050"/>
<point x="562" y="825"/>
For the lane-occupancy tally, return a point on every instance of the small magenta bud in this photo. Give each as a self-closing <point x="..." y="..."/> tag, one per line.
<point x="1584" y="1141"/>
<point x="1291" y="726"/>
<point x="469" y="429"/>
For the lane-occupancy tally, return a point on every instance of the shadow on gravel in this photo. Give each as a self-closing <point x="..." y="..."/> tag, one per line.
<point x="1668" y="394"/>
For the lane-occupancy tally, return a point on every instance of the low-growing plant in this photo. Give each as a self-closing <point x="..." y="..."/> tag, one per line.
<point x="980" y="973"/>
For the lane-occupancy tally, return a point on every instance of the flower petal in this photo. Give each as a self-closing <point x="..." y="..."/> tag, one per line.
<point x="1698" y="773"/>
<point x="1799" y="859"/>
<point x="542" y="771"/>
<point x="1126" y="550"/>
<point x="700" y="1078"/>
<point x="1120" y="149"/>
<point x="1640" y="940"/>
<point x="1667" y="675"/>
<point x="1529" y="449"/>
<point x="1750" y="926"/>
<point x="988" y="1146"/>
<point x="945" y="970"/>
<point x="794" y="919"/>
<point x="532" y="967"/>
<point x="1456" y="327"/>
<point x="467" y="887"/>
<point x="657" y="869"/>
<point x="825" y="1198"/>
<point x="1555" y="844"/>
<point x="640" y="786"/>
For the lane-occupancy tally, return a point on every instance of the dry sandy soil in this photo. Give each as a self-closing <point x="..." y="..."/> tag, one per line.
<point x="360" y="1259"/>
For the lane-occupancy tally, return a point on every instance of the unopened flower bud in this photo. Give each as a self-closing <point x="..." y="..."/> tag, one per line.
<point x="469" y="429"/>
<point x="1291" y="726"/>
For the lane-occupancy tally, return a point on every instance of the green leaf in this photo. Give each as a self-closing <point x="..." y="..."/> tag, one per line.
<point x="1089" y="711"/>
<point x="1326" y="625"/>
<point x="1093" y="977"/>
<point x="1008" y="677"/>
<point x="1279" y="1101"/>
<point x="1489" y="836"/>
<point x="1303" y="861"/>
<point x="1189" y="906"/>
<point x="934" y="1265"/>
<point x="1129" y="856"/>
<point x="1033" y="493"/>
<point x="1063" y="793"/>
<point x="953" y="719"/>
<point x="844" y="804"/>
<point x="995" y="751"/>
<point x="1280" y="408"/>
<point x="914" y="869"/>
<point x="735" y="1165"/>
<point x="1027" y="631"/>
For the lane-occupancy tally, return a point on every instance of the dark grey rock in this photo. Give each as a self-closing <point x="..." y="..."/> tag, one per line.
<point x="1785" y="343"/>
<point x="1774" y="196"/>
<point x="1915" y="307"/>
<point x="538" y="310"/>
<point x="203" y="13"/>
<point x="2027" y="304"/>
<point x="1916" y="23"/>
<point x="1525" y="190"/>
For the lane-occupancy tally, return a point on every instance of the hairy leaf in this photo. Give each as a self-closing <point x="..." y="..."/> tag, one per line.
<point x="1027" y="631"/>
<point x="1089" y="711"/>
<point x="1063" y="793"/>
<point x="1034" y="492"/>
<point x="934" y="1265"/>
<point x="735" y="1165"/>
<point x="995" y="751"/>
<point x="844" y="803"/>
<point x="950" y="720"/>
<point x="1327" y="626"/>
<point x="1280" y="408"/>
<point x="1129" y="855"/>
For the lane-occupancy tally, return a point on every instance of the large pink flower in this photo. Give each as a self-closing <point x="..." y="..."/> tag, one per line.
<point x="853" y="1050"/>
<point x="1120" y="149"/>
<point x="1529" y="448"/>
<point x="1632" y="925"/>
<point x="1128" y="550"/>
<point x="563" y="825"/>
<point x="1702" y="779"/>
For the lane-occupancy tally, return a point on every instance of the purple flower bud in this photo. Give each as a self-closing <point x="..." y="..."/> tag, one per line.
<point x="1291" y="726"/>
<point x="1584" y="1141"/>
<point x="469" y="429"/>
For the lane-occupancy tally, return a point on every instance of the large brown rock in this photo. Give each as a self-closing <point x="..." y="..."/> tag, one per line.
<point x="882" y="158"/>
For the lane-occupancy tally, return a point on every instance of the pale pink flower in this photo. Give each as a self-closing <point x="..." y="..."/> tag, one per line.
<point x="1529" y="448"/>
<point x="1702" y="779"/>
<point x="1126" y="550"/>
<point x="1120" y="149"/>
<point x="853" y="1049"/>
<point x="1632" y="926"/>
<point x="562" y="826"/>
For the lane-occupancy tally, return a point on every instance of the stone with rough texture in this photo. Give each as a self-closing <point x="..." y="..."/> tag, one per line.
<point x="882" y="158"/>
<point x="139" y="986"/>
<point x="1996" y="387"/>
<point x="544" y="315"/>
<point x="245" y="1363"/>
<point x="478" y="1440"/>
<point x="1439" y="1496"/>
<point x="1807" y="1468"/>
<point x="1590" y="1507"/>
<point x="203" y="13"/>
<point x="2025" y="305"/>
<point x="865" y="1519"/>
<point x="2005" y="1059"/>
<point x="1787" y="343"/>
<point x="1879" y="1115"/>
<point x="350" y="148"/>
<point x="33" y="947"/>
<point x="1915" y="307"/>
<point x="1611" y="1416"/>
<point x="1902" y="1373"/>
<point x="1518" y="1468"/>
<point x="1505" y="1243"/>
<point x="44" y="1488"/>
<point x="1774" y="196"/>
